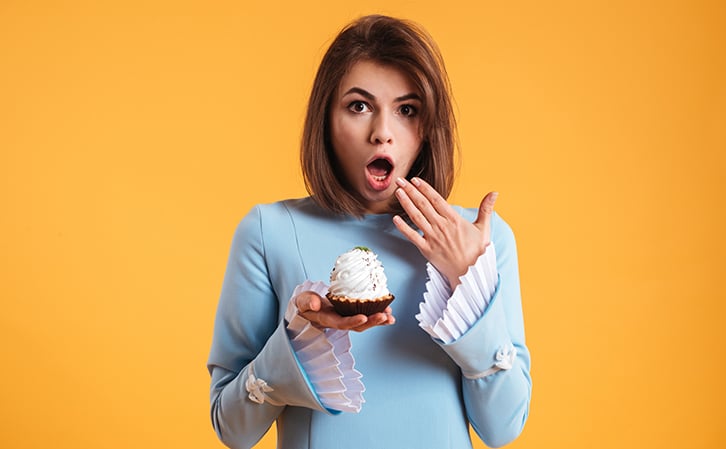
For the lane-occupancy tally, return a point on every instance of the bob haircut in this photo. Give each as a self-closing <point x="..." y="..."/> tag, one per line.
<point x="396" y="43"/>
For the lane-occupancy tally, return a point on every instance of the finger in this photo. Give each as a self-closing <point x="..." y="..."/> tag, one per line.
<point x="438" y="202"/>
<point x="426" y="199"/>
<point x="413" y="210"/>
<point x="377" y="319"/>
<point x="390" y="319"/>
<point x="408" y="232"/>
<point x="350" y="322"/>
<point x="308" y="301"/>
<point x="484" y="216"/>
<point x="330" y="319"/>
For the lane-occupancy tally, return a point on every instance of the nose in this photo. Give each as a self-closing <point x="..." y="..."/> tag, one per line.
<point x="381" y="131"/>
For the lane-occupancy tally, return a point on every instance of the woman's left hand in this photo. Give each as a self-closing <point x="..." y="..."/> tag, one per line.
<point x="449" y="242"/>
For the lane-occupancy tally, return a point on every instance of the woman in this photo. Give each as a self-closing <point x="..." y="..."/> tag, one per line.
<point x="377" y="156"/>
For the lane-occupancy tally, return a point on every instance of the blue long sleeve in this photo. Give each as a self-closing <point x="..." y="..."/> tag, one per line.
<point x="411" y="380"/>
<point x="249" y="329"/>
<point x="497" y="404"/>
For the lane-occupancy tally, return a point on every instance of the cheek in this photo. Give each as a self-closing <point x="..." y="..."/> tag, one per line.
<point x="342" y="134"/>
<point x="413" y="142"/>
<point x="410" y="131"/>
<point x="413" y="146"/>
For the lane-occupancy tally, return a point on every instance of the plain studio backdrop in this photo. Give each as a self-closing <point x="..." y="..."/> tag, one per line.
<point x="135" y="135"/>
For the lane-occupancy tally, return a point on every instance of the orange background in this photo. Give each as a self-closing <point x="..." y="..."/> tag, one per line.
<point x="134" y="135"/>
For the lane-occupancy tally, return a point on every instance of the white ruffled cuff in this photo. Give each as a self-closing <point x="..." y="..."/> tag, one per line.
<point x="325" y="356"/>
<point x="448" y="316"/>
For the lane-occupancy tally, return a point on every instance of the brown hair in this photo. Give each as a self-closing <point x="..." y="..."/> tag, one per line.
<point x="409" y="48"/>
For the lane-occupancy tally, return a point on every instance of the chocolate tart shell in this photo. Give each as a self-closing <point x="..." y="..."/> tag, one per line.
<point x="349" y="306"/>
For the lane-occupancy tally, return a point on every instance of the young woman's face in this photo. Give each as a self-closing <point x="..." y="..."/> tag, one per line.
<point x="375" y="131"/>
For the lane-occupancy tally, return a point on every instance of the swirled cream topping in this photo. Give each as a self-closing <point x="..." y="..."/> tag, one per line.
<point x="358" y="274"/>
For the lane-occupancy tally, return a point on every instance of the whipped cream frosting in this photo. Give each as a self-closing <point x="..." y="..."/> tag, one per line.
<point x="358" y="274"/>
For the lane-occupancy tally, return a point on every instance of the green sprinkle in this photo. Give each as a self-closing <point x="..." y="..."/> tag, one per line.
<point x="362" y="248"/>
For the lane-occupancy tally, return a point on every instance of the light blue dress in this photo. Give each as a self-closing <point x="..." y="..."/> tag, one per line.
<point x="419" y="392"/>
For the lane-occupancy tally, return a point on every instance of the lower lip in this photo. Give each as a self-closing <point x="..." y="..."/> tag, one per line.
<point x="376" y="184"/>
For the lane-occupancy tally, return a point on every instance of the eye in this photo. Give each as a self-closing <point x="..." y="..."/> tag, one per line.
<point x="408" y="111"/>
<point x="358" y="107"/>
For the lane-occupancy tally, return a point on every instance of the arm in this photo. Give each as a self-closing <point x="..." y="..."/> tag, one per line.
<point x="250" y="338"/>
<point x="496" y="399"/>
<point x="325" y="356"/>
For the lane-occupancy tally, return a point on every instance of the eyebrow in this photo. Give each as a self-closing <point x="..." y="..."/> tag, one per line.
<point x="370" y="96"/>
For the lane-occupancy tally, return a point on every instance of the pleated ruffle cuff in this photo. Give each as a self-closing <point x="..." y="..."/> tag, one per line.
<point x="325" y="356"/>
<point x="446" y="315"/>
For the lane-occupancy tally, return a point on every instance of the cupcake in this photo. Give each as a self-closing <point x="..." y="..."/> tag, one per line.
<point x="358" y="283"/>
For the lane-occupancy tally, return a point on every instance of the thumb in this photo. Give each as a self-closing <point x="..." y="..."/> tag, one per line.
<point x="486" y="208"/>
<point x="307" y="302"/>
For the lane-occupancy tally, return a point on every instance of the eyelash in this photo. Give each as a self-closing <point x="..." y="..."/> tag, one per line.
<point x="413" y="110"/>
<point x="412" y="114"/>
<point x="353" y="105"/>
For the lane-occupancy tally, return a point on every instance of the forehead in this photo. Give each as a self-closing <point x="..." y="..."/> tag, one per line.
<point x="379" y="79"/>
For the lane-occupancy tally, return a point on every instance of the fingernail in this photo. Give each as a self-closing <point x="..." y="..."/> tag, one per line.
<point x="401" y="182"/>
<point x="494" y="196"/>
<point x="416" y="181"/>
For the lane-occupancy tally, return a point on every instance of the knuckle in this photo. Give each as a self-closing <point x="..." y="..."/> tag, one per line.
<point x="420" y="202"/>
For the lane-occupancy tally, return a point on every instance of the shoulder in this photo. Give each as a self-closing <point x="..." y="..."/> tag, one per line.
<point x="267" y="227"/>
<point x="269" y="213"/>
<point x="297" y="206"/>
<point x="269" y="219"/>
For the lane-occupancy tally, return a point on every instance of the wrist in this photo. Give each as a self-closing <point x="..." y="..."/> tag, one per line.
<point x="453" y="282"/>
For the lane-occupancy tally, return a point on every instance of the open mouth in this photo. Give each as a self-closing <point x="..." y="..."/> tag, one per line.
<point x="380" y="169"/>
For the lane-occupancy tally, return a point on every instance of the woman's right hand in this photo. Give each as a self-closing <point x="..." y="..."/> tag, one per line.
<point x="318" y="310"/>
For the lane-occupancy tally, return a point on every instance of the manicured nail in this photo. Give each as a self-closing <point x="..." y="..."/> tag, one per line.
<point x="401" y="182"/>
<point x="416" y="181"/>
